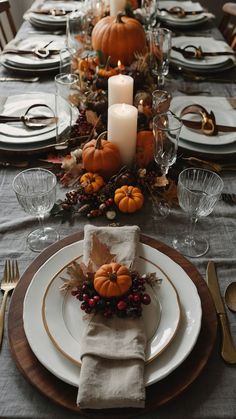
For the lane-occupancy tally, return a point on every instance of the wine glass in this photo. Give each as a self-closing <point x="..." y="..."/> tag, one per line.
<point x="166" y="131"/>
<point x="160" y="101"/>
<point x="159" y="41"/>
<point x="35" y="190"/>
<point x="198" y="192"/>
<point x="149" y="8"/>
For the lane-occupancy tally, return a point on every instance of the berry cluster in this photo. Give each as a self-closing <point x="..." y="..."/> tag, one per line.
<point x="82" y="127"/>
<point x="127" y="305"/>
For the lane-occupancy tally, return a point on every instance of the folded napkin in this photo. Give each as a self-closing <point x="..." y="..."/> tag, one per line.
<point x="113" y="350"/>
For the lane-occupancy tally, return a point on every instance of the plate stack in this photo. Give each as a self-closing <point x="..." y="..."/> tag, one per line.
<point x="206" y="64"/>
<point x="17" y="137"/>
<point x="32" y="63"/>
<point x="49" y="22"/>
<point x="185" y="22"/>
<point x="222" y="144"/>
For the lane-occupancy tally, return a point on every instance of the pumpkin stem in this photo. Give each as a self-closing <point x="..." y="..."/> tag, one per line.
<point x="98" y="145"/>
<point x="119" y="17"/>
<point x="113" y="276"/>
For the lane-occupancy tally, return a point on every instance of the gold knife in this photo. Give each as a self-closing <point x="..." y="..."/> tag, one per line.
<point x="228" y="351"/>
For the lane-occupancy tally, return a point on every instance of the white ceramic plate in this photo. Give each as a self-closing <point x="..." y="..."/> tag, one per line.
<point x="212" y="45"/>
<point x="156" y="370"/>
<point x="17" y="105"/>
<point x="64" y="320"/>
<point x="224" y="114"/>
<point x="50" y="19"/>
<point x="31" y="43"/>
<point x="23" y="70"/>
<point x="188" y="20"/>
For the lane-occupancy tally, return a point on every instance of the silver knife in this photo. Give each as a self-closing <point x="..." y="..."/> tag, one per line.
<point x="228" y="351"/>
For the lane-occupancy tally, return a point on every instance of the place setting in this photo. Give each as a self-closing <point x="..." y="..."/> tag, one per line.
<point x="182" y="14"/>
<point x="172" y="320"/>
<point x="50" y="15"/>
<point x="31" y="122"/>
<point x="36" y="54"/>
<point x="220" y="142"/>
<point x="195" y="54"/>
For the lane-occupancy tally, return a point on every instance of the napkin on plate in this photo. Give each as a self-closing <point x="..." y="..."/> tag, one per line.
<point x="113" y="350"/>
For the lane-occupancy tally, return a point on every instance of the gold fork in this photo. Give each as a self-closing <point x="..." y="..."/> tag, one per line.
<point x="10" y="278"/>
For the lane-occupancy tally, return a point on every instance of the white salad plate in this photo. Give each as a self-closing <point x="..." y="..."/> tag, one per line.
<point x="149" y="259"/>
<point x="18" y="104"/>
<point x="224" y="114"/>
<point x="65" y="321"/>
<point x="31" y="43"/>
<point x="212" y="45"/>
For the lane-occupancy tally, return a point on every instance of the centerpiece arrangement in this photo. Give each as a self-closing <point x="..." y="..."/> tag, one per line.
<point x="113" y="169"/>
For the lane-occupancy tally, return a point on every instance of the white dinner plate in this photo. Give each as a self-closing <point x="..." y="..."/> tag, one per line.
<point x="23" y="70"/>
<point x="31" y="43"/>
<point x="65" y="322"/>
<point x="189" y="20"/>
<point x="212" y="45"/>
<point x="224" y="114"/>
<point x="18" y="104"/>
<point x="156" y="370"/>
<point x="50" y="19"/>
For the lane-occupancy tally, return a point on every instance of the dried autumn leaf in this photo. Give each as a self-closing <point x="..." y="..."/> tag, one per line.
<point x="69" y="284"/>
<point x="170" y="195"/>
<point x="100" y="253"/>
<point x="161" y="181"/>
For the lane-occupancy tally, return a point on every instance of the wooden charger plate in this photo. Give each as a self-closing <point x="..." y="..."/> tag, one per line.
<point x="156" y="394"/>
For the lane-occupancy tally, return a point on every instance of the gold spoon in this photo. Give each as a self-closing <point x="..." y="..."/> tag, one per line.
<point x="230" y="296"/>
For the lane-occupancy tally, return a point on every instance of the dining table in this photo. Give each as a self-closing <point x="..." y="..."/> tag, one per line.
<point x="203" y="385"/>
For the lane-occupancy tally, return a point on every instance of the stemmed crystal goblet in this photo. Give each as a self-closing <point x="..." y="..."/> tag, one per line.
<point x="159" y="42"/>
<point x="35" y="190"/>
<point x="149" y="8"/>
<point x="166" y="131"/>
<point x="198" y="192"/>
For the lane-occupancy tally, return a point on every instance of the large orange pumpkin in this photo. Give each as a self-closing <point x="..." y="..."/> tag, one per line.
<point x="144" y="148"/>
<point x="119" y="38"/>
<point x="128" y="198"/>
<point x="112" y="280"/>
<point x="101" y="156"/>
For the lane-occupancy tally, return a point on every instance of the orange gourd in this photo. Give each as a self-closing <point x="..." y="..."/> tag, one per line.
<point x="144" y="148"/>
<point x="91" y="182"/>
<point x="101" y="156"/>
<point x="120" y="38"/>
<point x="128" y="198"/>
<point x="112" y="280"/>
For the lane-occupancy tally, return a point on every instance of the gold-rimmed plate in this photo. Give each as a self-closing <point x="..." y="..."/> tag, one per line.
<point x="65" y="322"/>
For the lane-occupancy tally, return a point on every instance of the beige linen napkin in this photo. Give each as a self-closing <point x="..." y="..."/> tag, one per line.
<point x="113" y="350"/>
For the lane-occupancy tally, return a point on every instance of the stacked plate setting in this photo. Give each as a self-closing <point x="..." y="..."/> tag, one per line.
<point x="224" y="143"/>
<point x="31" y="63"/>
<point x="211" y="64"/>
<point x="48" y="21"/>
<point x="175" y="319"/>
<point x="186" y="22"/>
<point x="17" y="136"/>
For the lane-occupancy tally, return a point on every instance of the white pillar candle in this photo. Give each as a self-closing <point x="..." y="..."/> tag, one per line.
<point x="120" y="89"/>
<point x="122" y="130"/>
<point x="117" y="6"/>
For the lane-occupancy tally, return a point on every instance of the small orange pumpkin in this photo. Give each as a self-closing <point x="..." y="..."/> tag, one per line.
<point x="91" y="182"/>
<point x="128" y="198"/>
<point x="112" y="280"/>
<point x="101" y="156"/>
<point x="144" y="148"/>
<point x="120" y="38"/>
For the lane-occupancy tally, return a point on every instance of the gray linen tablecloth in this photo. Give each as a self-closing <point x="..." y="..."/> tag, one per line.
<point x="213" y="394"/>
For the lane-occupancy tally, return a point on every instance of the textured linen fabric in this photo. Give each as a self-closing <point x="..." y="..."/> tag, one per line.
<point x="112" y="350"/>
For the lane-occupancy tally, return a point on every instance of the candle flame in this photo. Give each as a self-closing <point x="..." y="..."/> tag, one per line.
<point x="141" y="102"/>
<point x="119" y="64"/>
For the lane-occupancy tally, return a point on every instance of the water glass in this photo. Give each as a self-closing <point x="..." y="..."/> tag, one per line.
<point x="198" y="192"/>
<point x="67" y="92"/>
<point x="159" y="41"/>
<point x="35" y="190"/>
<point x="77" y="27"/>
